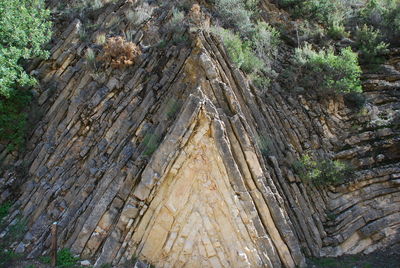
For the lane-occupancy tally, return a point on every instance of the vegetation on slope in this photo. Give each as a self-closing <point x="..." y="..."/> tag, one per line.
<point x="326" y="71"/>
<point x="24" y="28"/>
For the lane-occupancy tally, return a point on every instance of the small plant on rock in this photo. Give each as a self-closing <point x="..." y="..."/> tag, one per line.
<point x="235" y="13"/>
<point x="176" y="24"/>
<point x="368" y="41"/>
<point x="91" y="58"/>
<point x="327" y="72"/>
<point x="240" y="52"/>
<point x="119" y="53"/>
<point x="139" y="14"/>
<point x="265" y="41"/>
<point x="65" y="258"/>
<point x="385" y="16"/>
<point x="322" y="172"/>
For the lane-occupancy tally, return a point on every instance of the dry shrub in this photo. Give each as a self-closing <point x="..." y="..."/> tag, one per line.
<point x="196" y="9"/>
<point x="195" y="13"/>
<point x="119" y="53"/>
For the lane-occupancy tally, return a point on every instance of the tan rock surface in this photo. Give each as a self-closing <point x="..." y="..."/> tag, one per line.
<point x="163" y="161"/>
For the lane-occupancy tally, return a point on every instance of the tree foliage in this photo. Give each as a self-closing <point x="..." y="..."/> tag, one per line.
<point x="322" y="172"/>
<point x="24" y="28"/>
<point x="383" y="15"/>
<point x="327" y="72"/>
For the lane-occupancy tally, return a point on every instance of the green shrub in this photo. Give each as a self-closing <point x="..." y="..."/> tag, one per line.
<point x="307" y="31"/>
<point x="288" y="3"/>
<point x="330" y="13"/>
<point x="4" y="209"/>
<point x="322" y="172"/>
<point x="385" y="16"/>
<point x="139" y="14"/>
<point x="240" y="52"/>
<point x="251" y="46"/>
<point x="355" y="100"/>
<point x="45" y="259"/>
<point x="337" y="31"/>
<point x="14" y="234"/>
<point x="368" y="42"/>
<point x="13" y="118"/>
<point x="151" y="142"/>
<point x="265" y="40"/>
<point x="326" y="72"/>
<point x="90" y="57"/>
<point x="265" y="145"/>
<point x="24" y="28"/>
<point x="65" y="258"/>
<point x="254" y="56"/>
<point x="235" y="13"/>
<point x="252" y="5"/>
<point x="260" y="81"/>
<point x="326" y="12"/>
<point x="176" y="24"/>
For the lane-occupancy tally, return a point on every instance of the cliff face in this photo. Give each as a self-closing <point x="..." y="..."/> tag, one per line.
<point x="166" y="159"/>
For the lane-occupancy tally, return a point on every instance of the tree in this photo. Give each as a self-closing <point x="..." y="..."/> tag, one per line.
<point x="24" y="28"/>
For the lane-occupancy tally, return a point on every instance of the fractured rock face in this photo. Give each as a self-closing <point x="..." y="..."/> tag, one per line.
<point x="180" y="161"/>
<point x="195" y="217"/>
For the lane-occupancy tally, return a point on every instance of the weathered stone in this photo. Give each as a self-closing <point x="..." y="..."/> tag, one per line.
<point x="180" y="160"/>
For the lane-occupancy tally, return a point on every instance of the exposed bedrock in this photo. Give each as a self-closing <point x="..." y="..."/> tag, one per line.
<point x="163" y="161"/>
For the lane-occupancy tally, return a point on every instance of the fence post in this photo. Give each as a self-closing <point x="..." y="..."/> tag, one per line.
<point x="54" y="244"/>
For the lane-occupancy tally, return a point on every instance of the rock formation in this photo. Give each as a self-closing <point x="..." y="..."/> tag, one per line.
<point x="166" y="160"/>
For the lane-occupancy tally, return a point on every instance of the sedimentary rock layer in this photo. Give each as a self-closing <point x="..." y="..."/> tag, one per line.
<point x="166" y="160"/>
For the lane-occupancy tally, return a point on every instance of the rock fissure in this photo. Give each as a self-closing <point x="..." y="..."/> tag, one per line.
<point x="181" y="161"/>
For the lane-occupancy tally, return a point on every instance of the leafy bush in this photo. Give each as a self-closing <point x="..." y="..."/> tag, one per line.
<point x="65" y="258"/>
<point x="326" y="12"/>
<point x="265" y="145"/>
<point x="45" y="259"/>
<point x="14" y="234"/>
<point x="4" y="209"/>
<point x="139" y="14"/>
<point x="260" y="81"/>
<point x="337" y="31"/>
<point x="265" y="41"/>
<point x="176" y="24"/>
<point x="288" y="3"/>
<point x="119" y="53"/>
<point x="24" y="28"/>
<point x="13" y="119"/>
<point x="254" y="56"/>
<point x="330" y="13"/>
<point x="235" y="13"/>
<point x="309" y="32"/>
<point x="385" y="16"/>
<point x="151" y="142"/>
<point x="355" y="100"/>
<point x="368" y="41"/>
<point x="90" y="57"/>
<point x="322" y="172"/>
<point x="240" y="52"/>
<point x="326" y="72"/>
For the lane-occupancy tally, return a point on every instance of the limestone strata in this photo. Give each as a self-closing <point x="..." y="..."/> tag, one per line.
<point x="164" y="161"/>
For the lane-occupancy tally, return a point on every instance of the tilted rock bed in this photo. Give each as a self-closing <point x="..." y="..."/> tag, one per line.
<point x="162" y="160"/>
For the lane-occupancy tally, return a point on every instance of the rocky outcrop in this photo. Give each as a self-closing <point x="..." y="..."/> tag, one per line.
<point x="179" y="160"/>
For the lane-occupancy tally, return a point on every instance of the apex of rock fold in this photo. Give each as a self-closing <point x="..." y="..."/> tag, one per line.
<point x="178" y="160"/>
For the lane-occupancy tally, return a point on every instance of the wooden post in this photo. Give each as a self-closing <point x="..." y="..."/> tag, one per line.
<point x="54" y="244"/>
